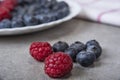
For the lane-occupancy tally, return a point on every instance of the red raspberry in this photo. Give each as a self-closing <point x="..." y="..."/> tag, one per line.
<point x="58" y="65"/>
<point x="4" y="13"/>
<point x="13" y="2"/>
<point x="9" y="4"/>
<point x="40" y="50"/>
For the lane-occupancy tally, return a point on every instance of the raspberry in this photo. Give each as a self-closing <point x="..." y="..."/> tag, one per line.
<point x="58" y="65"/>
<point x="4" y="13"/>
<point x="9" y="4"/>
<point x="40" y="50"/>
<point x="13" y="2"/>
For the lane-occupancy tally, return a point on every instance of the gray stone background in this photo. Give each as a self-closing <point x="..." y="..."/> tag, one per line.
<point x="17" y="64"/>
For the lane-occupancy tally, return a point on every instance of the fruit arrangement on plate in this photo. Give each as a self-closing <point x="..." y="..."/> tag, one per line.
<point x="59" y="58"/>
<point x="22" y="13"/>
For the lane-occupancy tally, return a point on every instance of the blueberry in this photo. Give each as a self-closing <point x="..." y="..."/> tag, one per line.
<point x="17" y="22"/>
<point x="60" y="5"/>
<point x="45" y="11"/>
<point x="13" y="13"/>
<point x="92" y="42"/>
<point x="19" y="10"/>
<point x="45" y="18"/>
<point x="51" y="16"/>
<point x="31" y="10"/>
<point x="72" y="53"/>
<point x="6" y="23"/>
<point x="29" y="1"/>
<point x="42" y="11"/>
<point x="60" y="46"/>
<point x="97" y="50"/>
<point x="20" y="1"/>
<point x="94" y="47"/>
<point x="30" y="20"/>
<point x="61" y="13"/>
<point x="61" y="9"/>
<point x="53" y="2"/>
<point x="78" y="46"/>
<point x="55" y="7"/>
<point x="42" y="18"/>
<point x="50" y="4"/>
<point x="34" y="8"/>
<point x="85" y="59"/>
<point x="47" y="5"/>
<point x="42" y="2"/>
<point x="25" y="1"/>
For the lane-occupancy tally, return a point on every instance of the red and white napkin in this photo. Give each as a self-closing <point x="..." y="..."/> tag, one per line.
<point x="104" y="11"/>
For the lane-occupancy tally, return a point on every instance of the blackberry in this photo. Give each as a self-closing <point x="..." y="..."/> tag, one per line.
<point x="6" y="23"/>
<point x="97" y="50"/>
<point x="85" y="59"/>
<point x="60" y="46"/>
<point x="78" y="46"/>
<point x="72" y="53"/>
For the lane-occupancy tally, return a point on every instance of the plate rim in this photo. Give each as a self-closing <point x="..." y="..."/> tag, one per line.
<point x="28" y="29"/>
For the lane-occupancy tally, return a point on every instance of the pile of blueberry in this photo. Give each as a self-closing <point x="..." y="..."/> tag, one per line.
<point x="34" y="12"/>
<point x="84" y="54"/>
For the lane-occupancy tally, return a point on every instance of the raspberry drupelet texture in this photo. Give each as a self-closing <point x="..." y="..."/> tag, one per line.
<point x="5" y="7"/>
<point x="40" y="50"/>
<point x="4" y="13"/>
<point x="9" y="4"/>
<point x="58" y="65"/>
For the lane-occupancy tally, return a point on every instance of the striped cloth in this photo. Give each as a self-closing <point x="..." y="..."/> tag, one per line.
<point x="104" y="11"/>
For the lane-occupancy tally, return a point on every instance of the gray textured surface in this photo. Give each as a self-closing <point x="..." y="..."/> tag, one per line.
<point x="17" y="64"/>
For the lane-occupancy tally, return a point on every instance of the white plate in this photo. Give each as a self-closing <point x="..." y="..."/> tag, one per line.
<point x="74" y="11"/>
